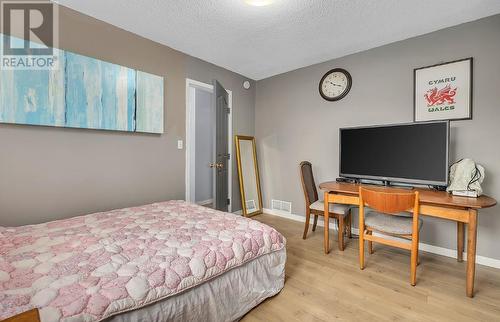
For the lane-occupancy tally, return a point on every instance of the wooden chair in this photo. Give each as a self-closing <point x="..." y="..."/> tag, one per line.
<point x="385" y="217"/>
<point x="29" y="316"/>
<point x="341" y="213"/>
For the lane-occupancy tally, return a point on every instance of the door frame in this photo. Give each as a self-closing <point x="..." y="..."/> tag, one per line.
<point x="191" y="86"/>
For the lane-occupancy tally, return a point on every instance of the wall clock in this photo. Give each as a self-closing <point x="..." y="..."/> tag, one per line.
<point x="335" y="84"/>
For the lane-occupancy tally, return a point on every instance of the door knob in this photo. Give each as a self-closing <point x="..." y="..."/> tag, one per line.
<point x="218" y="165"/>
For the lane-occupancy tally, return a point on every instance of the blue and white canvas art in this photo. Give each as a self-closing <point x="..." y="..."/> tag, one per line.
<point x="83" y="92"/>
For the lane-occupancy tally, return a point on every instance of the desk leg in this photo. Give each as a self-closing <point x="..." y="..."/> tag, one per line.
<point x="471" y="251"/>
<point x="326" y="240"/>
<point x="460" y="241"/>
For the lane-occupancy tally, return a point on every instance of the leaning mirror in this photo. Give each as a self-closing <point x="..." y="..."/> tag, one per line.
<point x="248" y="174"/>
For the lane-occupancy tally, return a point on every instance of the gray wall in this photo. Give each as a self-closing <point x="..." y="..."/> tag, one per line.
<point x="204" y="116"/>
<point x="243" y="107"/>
<point x="51" y="173"/>
<point x="293" y="123"/>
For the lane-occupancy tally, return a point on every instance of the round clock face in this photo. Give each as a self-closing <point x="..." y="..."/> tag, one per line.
<point x="335" y="84"/>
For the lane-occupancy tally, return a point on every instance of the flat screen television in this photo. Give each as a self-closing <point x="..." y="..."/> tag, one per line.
<point x="413" y="153"/>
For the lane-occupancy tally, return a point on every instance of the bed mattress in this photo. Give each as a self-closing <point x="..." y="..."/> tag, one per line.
<point x="225" y="298"/>
<point x="165" y="261"/>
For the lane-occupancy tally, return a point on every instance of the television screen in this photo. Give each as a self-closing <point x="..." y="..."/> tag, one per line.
<point x="407" y="153"/>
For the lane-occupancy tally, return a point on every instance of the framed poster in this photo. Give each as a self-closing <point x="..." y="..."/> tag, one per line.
<point x="443" y="91"/>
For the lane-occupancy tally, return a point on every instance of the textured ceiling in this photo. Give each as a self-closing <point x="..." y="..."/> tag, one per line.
<point x="259" y="42"/>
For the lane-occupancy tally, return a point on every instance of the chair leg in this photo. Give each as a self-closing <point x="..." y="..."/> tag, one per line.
<point x="361" y="244"/>
<point x="349" y="225"/>
<point x="315" y="222"/>
<point x="414" y="260"/>
<point x="370" y="243"/>
<point x="306" y="227"/>
<point x="341" y="233"/>
<point x="413" y="272"/>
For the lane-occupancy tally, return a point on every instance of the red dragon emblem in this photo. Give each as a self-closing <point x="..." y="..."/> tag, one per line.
<point x="439" y="97"/>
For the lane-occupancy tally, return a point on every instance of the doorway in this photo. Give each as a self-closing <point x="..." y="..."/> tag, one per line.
<point x="200" y="145"/>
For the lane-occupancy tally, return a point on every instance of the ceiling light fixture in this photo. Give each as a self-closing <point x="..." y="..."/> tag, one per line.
<point x="259" y="3"/>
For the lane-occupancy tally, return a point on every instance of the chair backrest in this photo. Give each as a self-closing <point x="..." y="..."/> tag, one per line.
<point x="308" y="184"/>
<point x="389" y="202"/>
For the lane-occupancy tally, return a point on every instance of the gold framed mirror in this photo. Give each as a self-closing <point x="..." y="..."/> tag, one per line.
<point x="248" y="174"/>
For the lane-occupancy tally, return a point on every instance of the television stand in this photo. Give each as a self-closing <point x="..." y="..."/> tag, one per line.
<point x="382" y="183"/>
<point x="387" y="183"/>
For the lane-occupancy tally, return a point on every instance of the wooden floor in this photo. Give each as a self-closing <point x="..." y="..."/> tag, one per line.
<point x="321" y="287"/>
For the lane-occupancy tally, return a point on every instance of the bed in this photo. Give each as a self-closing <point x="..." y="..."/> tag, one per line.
<point x="165" y="261"/>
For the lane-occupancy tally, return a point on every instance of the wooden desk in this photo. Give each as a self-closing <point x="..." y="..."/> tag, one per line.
<point x="433" y="203"/>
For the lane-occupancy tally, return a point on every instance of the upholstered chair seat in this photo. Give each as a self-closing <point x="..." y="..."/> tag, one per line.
<point x="342" y="210"/>
<point x="396" y="225"/>
<point x="401" y="214"/>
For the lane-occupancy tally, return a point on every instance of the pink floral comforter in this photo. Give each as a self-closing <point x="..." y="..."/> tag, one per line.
<point x="91" y="267"/>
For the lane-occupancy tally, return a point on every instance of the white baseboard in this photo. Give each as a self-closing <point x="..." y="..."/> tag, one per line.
<point x="238" y="212"/>
<point x="482" y="260"/>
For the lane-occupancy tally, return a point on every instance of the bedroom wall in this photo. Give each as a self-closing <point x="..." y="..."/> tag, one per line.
<point x="51" y="173"/>
<point x="293" y="123"/>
